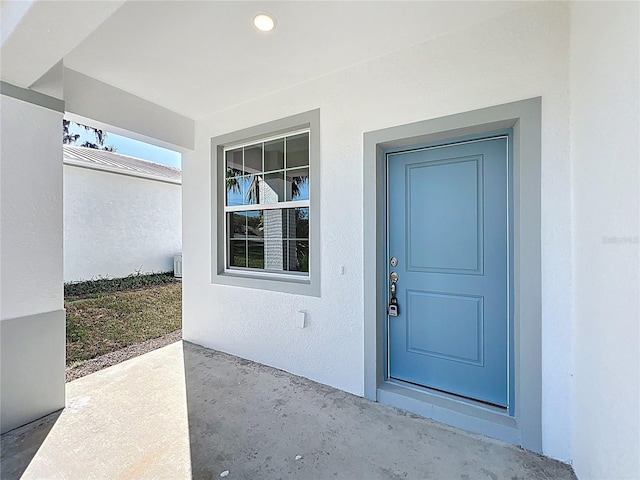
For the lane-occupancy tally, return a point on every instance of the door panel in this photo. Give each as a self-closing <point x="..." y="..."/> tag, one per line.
<point x="459" y="339"/>
<point x="447" y="220"/>
<point x="445" y="194"/>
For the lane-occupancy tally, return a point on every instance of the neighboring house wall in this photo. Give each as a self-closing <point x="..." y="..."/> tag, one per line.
<point x="520" y="55"/>
<point x="31" y="307"/>
<point x="117" y="225"/>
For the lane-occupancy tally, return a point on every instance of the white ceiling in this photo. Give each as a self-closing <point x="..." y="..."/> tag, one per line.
<point x="199" y="57"/>
<point x="196" y="58"/>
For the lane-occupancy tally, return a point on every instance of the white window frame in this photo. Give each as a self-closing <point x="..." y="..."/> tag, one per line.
<point x="304" y="283"/>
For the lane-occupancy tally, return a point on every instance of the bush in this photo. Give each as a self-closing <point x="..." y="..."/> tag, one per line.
<point x="103" y="285"/>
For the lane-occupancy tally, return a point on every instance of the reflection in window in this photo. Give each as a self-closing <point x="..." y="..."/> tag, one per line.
<point x="274" y="155"/>
<point x="273" y="239"/>
<point x="298" y="184"/>
<point x="237" y="253"/>
<point x="297" y="150"/>
<point x="253" y="159"/>
<point x="242" y="190"/>
<point x="234" y="163"/>
<point x="261" y="234"/>
<point x="272" y="187"/>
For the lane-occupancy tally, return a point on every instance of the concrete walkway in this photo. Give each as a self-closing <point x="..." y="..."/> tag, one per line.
<point x="184" y="411"/>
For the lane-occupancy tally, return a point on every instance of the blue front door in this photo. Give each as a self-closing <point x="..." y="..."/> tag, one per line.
<point x="448" y="238"/>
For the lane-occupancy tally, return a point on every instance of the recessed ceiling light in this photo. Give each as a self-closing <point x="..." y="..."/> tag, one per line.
<point x="264" y="22"/>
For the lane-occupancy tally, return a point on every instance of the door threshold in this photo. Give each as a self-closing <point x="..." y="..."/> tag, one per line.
<point x="465" y="414"/>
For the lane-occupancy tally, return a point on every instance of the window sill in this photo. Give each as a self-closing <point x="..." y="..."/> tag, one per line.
<point x="280" y="283"/>
<point x="276" y="277"/>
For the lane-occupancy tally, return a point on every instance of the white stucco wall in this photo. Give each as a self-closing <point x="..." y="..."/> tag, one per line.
<point x="31" y="268"/>
<point x="520" y="55"/>
<point x="32" y="327"/>
<point x="116" y="225"/>
<point x="605" y="153"/>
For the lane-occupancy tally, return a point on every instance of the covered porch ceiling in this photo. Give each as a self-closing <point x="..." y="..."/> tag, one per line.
<point x="196" y="58"/>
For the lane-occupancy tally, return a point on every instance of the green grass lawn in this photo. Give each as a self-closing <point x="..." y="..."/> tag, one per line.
<point x="103" y="322"/>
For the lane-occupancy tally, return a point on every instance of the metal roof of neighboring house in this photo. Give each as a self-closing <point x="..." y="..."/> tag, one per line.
<point x="122" y="164"/>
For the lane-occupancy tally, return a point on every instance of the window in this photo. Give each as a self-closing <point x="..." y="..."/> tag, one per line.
<point x="267" y="205"/>
<point x="266" y="231"/>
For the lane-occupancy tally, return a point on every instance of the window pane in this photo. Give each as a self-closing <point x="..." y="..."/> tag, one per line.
<point x="272" y="190"/>
<point x="274" y="229"/>
<point x="234" y="162"/>
<point x="236" y="224"/>
<point x="275" y="240"/>
<point x="256" y="254"/>
<point x="274" y="224"/>
<point x="285" y="253"/>
<point x="274" y="257"/>
<point x="301" y="217"/>
<point x="289" y="222"/>
<point x="250" y="190"/>
<point x="253" y="159"/>
<point x="237" y="253"/>
<point x="235" y="186"/>
<point x="298" y="256"/>
<point x="255" y="224"/>
<point x="274" y="155"/>
<point x="302" y="253"/>
<point x="298" y="184"/>
<point x="286" y="214"/>
<point x="298" y="150"/>
<point x="242" y="190"/>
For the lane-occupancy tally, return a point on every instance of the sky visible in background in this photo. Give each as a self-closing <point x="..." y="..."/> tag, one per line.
<point x="128" y="146"/>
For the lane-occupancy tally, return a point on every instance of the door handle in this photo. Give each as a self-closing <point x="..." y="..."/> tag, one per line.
<point x="393" y="310"/>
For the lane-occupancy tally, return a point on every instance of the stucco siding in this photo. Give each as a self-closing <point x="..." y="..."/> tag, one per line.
<point x="31" y="209"/>
<point x="605" y="152"/>
<point x="31" y="303"/>
<point x="116" y="225"/>
<point x="520" y="55"/>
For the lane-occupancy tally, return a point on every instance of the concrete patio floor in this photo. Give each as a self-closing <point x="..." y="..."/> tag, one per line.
<point x="185" y="411"/>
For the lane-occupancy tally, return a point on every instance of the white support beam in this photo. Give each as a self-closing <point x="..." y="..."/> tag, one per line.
<point x="40" y="34"/>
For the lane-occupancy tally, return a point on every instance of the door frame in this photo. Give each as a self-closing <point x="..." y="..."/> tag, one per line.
<point x="524" y="425"/>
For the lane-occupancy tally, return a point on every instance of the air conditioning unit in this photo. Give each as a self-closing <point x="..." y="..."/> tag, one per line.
<point x="177" y="265"/>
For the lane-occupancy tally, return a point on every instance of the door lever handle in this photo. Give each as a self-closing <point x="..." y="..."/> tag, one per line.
<point x="393" y="310"/>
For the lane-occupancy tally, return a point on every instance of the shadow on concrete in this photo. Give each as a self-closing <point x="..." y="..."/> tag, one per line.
<point x="185" y="411"/>
<point x="19" y="446"/>
<point x="259" y="422"/>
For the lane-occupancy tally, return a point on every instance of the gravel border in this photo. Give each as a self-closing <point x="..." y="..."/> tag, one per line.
<point x="113" y="358"/>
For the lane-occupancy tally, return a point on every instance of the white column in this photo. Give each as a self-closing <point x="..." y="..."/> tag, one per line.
<point x="32" y="320"/>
